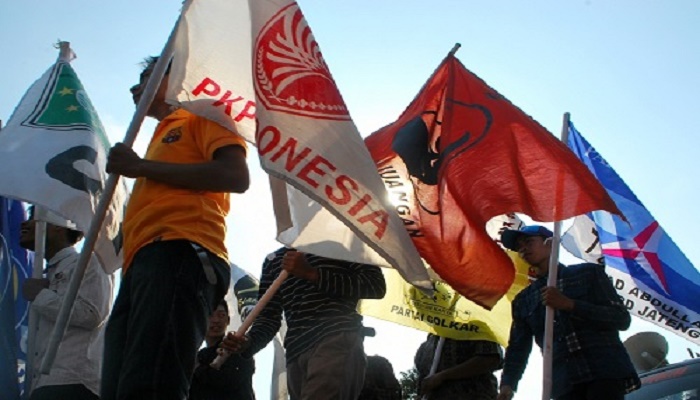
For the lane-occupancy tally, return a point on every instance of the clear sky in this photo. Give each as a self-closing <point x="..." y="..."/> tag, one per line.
<point x="628" y="71"/>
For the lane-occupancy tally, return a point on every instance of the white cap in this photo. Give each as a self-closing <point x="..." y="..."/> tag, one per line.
<point x="55" y="219"/>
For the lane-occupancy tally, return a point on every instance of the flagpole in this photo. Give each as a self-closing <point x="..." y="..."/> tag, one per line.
<point x="65" y="52"/>
<point x="438" y="350"/>
<point x="274" y="287"/>
<point x="105" y="201"/>
<point x="552" y="281"/>
<point x="37" y="273"/>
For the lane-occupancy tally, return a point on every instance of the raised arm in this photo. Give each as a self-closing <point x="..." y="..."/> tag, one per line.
<point x="227" y="171"/>
<point x="337" y="278"/>
<point x="356" y="281"/>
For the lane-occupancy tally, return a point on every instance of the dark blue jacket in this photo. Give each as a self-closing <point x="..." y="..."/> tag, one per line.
<point x="586" y="343"/>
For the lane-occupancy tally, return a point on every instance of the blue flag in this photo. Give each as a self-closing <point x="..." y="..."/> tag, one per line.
<point x="15" y="267"/>
<point x="657" y="281"/>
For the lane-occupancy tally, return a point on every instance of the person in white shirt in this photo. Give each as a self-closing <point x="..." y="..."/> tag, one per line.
<point x="75" y="373"/>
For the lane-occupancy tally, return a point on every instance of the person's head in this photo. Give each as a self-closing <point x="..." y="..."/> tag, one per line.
<point x="60" y="233"/>
<point x="380" y="381"/>
<point x="533" y="243"/>
<point x="159" y="109"/>
<point x="218" y="321"/>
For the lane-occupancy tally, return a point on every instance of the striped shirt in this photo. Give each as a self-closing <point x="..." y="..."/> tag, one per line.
<point x="313" y="311"/>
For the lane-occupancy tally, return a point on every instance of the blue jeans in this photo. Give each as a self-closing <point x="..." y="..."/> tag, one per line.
<point x="159" y="320"/>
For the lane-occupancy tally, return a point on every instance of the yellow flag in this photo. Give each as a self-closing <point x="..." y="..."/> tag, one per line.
<point x="447" y="314"/>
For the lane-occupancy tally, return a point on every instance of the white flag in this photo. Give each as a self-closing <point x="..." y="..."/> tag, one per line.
<point x="278" y="380"/>
<point x="581" y="240"/>
<point x="237" y="61"/>
<point x="53" y="154"/>
<point x="242" y="295"/>
<point x="644" y="302"/>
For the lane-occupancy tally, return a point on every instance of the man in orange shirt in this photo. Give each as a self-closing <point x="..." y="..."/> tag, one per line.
<point x="175" y="270"/>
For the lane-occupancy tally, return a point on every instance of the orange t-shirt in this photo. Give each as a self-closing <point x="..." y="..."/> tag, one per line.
<point x="157" y="211"/>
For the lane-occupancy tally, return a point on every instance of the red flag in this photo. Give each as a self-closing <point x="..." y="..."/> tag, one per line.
<point x="461" y="154"/>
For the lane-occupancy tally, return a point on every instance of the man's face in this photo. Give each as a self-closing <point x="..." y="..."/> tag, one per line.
<point x="535" y="251"/>
<point x="138" y="89"/>
<point x="218" y="322"/>
<point x="26" y="234"/>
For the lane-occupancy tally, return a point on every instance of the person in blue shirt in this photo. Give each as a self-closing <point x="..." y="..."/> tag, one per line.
<point x="589" y="360"/>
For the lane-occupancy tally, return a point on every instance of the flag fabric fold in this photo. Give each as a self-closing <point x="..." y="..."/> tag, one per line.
<point x="656" y="280"/>
<point x="461" y="154"/>
<point x="256" y="68"/>
<point x="53" y="154"/>
<point x="447" y="313"/>
<point x="15" y="267"/>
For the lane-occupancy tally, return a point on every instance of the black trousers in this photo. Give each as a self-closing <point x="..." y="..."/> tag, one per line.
<point x="63" y="392"/>
<point x="602" y="389"/>
<point x="159" y="320"/>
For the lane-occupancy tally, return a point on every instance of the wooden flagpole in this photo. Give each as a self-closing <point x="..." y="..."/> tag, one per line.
<point x="274" y="287"/>
<point x="105" y="200"/>
<point x="552" y="281"/>
<point x="436" y="360"/>
<point x="37" y="272"/>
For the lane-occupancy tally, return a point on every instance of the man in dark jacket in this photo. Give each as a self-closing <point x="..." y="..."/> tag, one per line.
<point x="589" y="360"/>
<point x="234" y="380"/>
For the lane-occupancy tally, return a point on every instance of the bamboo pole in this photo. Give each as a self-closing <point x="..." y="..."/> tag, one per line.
<point x="274" y="287"/>
<point x="436" y="360"/>
<point x="547" y="347"/>
<point x="37" y="273"/>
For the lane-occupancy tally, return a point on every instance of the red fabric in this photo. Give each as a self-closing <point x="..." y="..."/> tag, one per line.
<point x="461" y="154"/>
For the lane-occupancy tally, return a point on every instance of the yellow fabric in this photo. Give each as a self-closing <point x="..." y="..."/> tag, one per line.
<point x="449" y="314"/>
<point x="157" y="211"/>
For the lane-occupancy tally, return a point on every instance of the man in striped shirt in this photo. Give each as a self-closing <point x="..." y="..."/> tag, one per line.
<point x="324" y="341"/>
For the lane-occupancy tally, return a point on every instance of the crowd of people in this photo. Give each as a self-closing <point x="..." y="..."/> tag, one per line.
<point x="176" y="273"/>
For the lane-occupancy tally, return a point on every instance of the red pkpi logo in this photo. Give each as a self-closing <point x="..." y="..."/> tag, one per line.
<point x="290" y="73"/>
